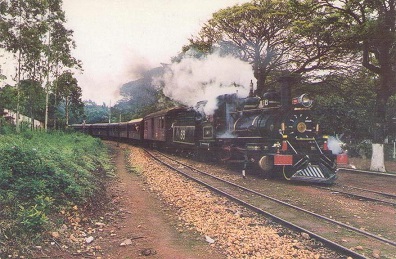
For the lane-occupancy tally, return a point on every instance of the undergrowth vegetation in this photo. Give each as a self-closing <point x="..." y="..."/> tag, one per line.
<point x="42" y="174"/>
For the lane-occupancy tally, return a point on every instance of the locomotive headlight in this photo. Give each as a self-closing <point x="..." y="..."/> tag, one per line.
<point x="303" y="100"/>
<point x="306" y="101"/>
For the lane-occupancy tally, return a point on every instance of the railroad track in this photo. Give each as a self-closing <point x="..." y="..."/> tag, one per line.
<point x="363" y="194"/>
<point x="366" y="185"/>
<point x="350" y="170"/>
<point x="284" y="213"/>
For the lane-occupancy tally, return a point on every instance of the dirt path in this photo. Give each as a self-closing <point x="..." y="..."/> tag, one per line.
<point x="142" y="223"/>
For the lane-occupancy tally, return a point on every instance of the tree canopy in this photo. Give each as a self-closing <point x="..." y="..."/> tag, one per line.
<point x="68" y="94"/>
<point x="276" y="37"/>
<point x="34" y="32"/>
<point x="369" y="28"/>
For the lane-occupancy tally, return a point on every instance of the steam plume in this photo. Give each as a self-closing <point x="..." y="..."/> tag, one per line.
<point x="335" y="145"/>
<point x="193" y="80"/>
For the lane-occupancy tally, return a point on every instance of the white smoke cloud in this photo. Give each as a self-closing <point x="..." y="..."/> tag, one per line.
<point x="335" y="145"/>
<point x="193" y="80"/>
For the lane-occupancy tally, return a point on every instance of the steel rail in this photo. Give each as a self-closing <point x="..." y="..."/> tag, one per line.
<point x="376" y="192"/>
<point x="393" y="243"/>
<point x="359" y="195"/>
<point x="275" y="218"/>
<point x="366" y="172"/>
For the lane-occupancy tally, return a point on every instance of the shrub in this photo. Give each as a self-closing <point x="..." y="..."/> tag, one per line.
<point x="43" y="173"/>
<point x="34" y="218"/>
<point x="362" y="149"/>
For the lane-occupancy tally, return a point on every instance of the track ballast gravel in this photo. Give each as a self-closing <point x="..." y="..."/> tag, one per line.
<point x="232" y="229"/>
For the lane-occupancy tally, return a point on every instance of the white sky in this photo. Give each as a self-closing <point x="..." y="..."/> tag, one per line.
<point x="115" y="37"/>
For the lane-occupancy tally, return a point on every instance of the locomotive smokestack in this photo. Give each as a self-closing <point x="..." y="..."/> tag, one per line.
<point x="251" y="92"/>
<point x="285" y="82"/>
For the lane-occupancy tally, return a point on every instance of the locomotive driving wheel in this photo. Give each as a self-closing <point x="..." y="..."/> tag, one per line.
<point x="266" y="166"/>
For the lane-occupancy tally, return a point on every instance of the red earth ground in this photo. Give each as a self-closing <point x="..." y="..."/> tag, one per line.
<point x="145" y="222"/>
<point x="127" y="222"/>
<point x="136" y="223"/>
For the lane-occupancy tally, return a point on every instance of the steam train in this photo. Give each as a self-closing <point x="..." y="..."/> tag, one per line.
<point x="273" y="132"/>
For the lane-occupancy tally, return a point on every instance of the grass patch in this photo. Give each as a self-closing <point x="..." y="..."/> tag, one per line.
<point x="42" y="174"/>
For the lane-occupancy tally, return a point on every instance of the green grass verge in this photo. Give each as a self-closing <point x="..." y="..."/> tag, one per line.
<point x="42" y="174"/>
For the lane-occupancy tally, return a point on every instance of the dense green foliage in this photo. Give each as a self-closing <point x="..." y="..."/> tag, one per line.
<point x="369" y="29"/>
<point x="339" y="107"/>
<point x="95" y="113"/>
<point x="34" y="33"/>
<point x="41" y="174"/>
<point x="65" y="104"/>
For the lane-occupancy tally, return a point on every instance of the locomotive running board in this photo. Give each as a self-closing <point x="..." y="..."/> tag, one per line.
<point x="315" y="174"/>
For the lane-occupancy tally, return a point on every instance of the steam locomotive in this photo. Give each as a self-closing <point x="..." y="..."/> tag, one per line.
<point x="273" y="132"/>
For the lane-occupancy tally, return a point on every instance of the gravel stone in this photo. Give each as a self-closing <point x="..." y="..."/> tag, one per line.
<point x="216" y="217"/>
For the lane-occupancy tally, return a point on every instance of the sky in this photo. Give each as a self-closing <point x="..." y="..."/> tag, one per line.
<point x="116" y="38"/>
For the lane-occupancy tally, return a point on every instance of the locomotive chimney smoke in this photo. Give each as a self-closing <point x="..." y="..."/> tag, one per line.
<point x="193" y="80"/>
<point x="133" y="67"/>
<point x="138" y="69"/>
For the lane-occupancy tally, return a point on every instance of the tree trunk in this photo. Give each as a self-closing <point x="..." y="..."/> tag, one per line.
<point x="260" y="83"/>
<point x="56" y="94"/>
<point x="31" y="116"/>
<point x="379" y="131"/>
<point x="46" y="106"/>
<point x="259" y="72"/>
<point x="67" y="110"/>
<point x="377" y="158"/>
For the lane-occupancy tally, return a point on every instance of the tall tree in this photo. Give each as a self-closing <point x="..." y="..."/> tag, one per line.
<point x="32" y="99"/>
<point x="21" y="32"/>
<point x="372" y="32"/>
<point x="69" y="94"/>
<point x="316" y="40"/>
<point x="276" y="36"/>
<point x="58" y="48"/>
<point x="34" y="31"/>
<point x="254" y="32"/>
<point x="4" y="23"/>
<point x="8" y="97"/>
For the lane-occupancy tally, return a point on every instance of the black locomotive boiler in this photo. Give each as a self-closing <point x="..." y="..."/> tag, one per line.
<point x="273" y="132"/>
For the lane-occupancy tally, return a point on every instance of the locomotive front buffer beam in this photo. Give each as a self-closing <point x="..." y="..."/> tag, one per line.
<point x="316" y="169"/>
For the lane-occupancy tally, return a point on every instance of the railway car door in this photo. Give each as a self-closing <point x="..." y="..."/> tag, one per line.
<point x="148" y="131"/>
<point x="152" y="128"/>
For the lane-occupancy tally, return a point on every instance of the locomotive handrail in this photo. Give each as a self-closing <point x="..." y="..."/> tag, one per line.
<point x="255" y="110"/>
<point x="297" y="138"/>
